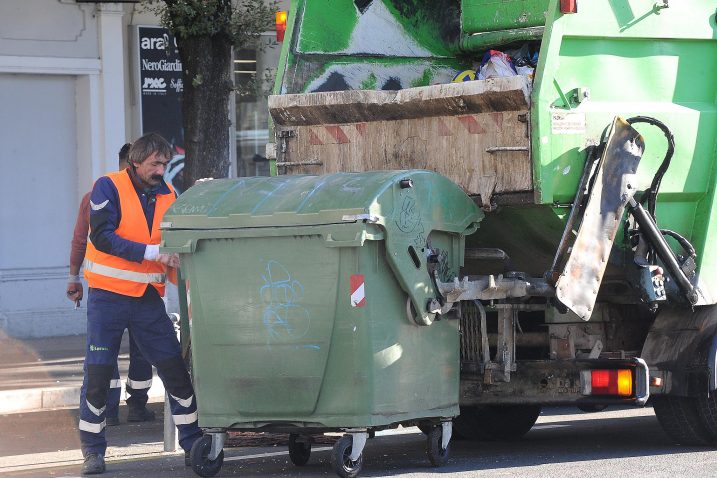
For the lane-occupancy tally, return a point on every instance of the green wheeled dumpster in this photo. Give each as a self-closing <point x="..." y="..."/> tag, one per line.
<point x="313" y="307"/>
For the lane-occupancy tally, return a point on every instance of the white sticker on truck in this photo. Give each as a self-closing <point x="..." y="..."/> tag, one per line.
<point x="567" y="123"/>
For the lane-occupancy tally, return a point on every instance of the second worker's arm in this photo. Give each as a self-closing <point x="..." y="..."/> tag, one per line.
<point x="77" y="250"/>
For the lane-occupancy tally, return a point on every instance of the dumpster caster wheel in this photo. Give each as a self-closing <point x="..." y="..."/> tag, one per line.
<point x="299" y="450"/>
<point x="341" y="459"/>
<point x="437" y="455"/>
<point x="199" y="456"/>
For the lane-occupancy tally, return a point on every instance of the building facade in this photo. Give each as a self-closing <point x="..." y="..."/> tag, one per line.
<point x="69" y="98"/>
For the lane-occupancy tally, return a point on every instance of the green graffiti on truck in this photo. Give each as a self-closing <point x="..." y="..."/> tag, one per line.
<point x="371" y="45"/>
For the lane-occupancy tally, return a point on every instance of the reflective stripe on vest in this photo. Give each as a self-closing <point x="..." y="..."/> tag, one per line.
<point x="115" y="274"/>
<point x="141" y="277"/>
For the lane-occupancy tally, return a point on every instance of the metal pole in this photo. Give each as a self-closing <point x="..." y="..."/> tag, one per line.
<point x="171" y="441"/>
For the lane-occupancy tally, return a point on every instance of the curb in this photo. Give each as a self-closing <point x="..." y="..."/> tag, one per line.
<point x="38" y="399"/>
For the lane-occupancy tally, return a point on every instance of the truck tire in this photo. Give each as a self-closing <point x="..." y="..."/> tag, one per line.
<point x="495" y="422"/>
<point x="681" y="419"/>
<point x="708" y="413"/>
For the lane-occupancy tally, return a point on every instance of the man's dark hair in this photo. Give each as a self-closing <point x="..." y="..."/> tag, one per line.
<point x="147" y="145"/>
<point x="124" y="153"/>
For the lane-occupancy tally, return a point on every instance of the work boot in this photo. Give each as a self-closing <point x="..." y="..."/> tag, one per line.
<point x="94" y="464"/>
<point x="140" y="414"/>
<point x="112" y="421"/>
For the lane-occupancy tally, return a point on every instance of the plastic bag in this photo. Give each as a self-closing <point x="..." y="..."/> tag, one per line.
<point x="496" y="64"/>
<point x="526" y="55"/>
<point x="528" y="71"/>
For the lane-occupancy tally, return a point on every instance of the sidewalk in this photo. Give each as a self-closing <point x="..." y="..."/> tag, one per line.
<point x="43" y="374"/>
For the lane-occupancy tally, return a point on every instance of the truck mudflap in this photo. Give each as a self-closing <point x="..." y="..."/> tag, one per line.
<point x="565" y="382"/>
<point x="681" y="349"/>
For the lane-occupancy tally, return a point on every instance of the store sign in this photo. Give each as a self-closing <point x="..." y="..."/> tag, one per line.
<point x="160" y="93"/>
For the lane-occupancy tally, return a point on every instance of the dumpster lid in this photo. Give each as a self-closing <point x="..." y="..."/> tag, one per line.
<point x="316" y="200"/>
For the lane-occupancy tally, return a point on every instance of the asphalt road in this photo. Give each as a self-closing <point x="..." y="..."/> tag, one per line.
<point x="564" y="443"/>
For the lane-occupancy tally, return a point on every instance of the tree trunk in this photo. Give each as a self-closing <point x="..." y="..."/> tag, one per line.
<point x="205" y="106"/>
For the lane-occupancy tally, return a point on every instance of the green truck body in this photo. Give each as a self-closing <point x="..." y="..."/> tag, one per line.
<point x="612" y="137"/>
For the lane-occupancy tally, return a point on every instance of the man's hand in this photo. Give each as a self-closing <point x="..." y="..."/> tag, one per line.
<point x="171" y="260"/>
<point x="74" y="289"/>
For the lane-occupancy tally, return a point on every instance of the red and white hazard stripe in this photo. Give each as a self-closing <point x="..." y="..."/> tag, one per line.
<point x="358" y="294"/>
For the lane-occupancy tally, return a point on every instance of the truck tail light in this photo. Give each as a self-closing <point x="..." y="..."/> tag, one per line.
<point x="280" y="25"/>
<point x="612" y="382"/>
<point x="568" y="6"/>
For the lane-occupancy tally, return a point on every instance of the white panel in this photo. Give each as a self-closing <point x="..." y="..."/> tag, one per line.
<point x="112" y="81"/>
<point x="48" y="28"/>
<point x="38" y="186"/>
<point x="41" y="20"/>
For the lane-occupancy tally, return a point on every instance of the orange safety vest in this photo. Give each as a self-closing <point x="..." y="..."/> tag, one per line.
<point x="115" y="274"/>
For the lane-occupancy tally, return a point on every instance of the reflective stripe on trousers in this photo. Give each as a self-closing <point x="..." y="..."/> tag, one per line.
<point x="185" y="419"/>
<point x="86" y="426"/>
<point x="138" y="384"/>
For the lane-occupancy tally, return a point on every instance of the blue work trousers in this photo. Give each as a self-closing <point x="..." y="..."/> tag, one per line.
<point x="139" y="381"/>
<point x="108" y="315"/>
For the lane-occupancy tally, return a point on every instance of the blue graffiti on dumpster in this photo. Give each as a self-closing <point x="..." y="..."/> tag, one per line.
<point x="284" y="317"/>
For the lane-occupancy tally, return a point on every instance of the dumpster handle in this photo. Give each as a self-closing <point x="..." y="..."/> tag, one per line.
<point x="471" y="229"/>
<point x="188" y="248"/>
<point x="355" y="242"/>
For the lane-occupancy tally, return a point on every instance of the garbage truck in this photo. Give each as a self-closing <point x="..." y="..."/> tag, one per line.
<point x="584" y="132"/>
<point x="592" y="277"/>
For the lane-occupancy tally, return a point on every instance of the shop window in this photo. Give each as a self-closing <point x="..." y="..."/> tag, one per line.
<point x="254" y="72"/>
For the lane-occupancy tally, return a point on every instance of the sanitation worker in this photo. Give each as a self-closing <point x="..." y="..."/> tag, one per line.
<point x="139" y="376"/>
<point x="126" y="275"/>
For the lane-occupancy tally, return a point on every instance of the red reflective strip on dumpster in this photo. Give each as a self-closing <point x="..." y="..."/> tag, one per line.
<point x="358" y="295"/>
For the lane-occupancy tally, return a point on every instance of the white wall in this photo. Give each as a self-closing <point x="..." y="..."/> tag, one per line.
<point x="48" y="28"/>
<point x="37" y="196"/>
<point x="62" y="120"/>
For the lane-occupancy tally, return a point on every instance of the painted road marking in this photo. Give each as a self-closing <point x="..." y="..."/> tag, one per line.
<point x="273" y="453"/>
<point x="545" y="427"/>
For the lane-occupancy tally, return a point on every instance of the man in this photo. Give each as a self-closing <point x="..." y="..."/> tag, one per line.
<point x="139" y="377"/>
<point x="126" y="274"/>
